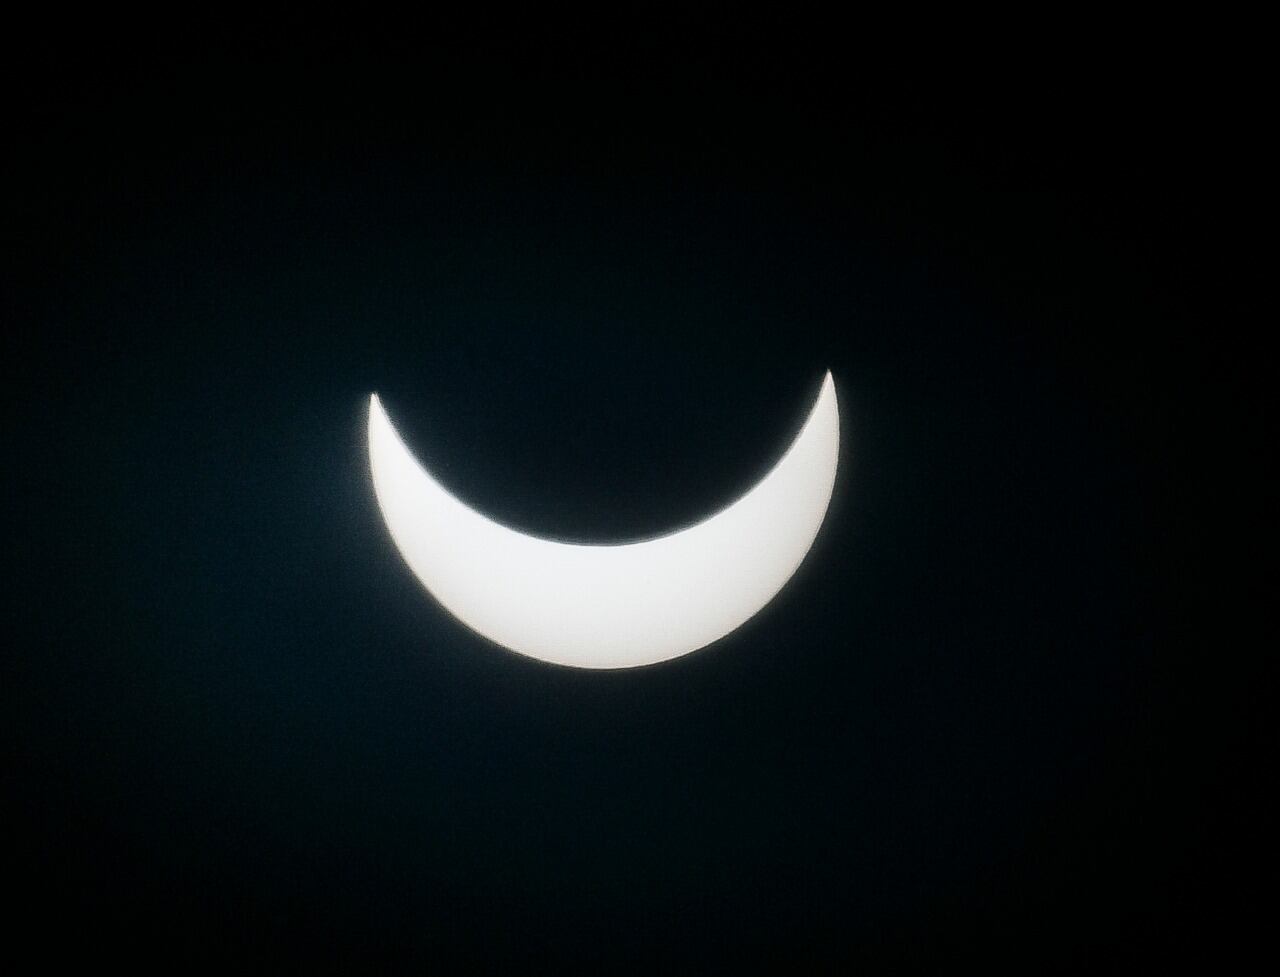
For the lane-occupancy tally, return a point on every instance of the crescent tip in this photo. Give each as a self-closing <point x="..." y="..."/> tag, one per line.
<point x="828" y="386"/>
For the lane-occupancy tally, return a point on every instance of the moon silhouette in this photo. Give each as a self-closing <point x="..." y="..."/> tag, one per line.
<point x="609" y="606"/>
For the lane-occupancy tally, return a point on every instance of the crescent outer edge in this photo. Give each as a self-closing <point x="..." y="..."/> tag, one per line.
<point x="609" y="606"/>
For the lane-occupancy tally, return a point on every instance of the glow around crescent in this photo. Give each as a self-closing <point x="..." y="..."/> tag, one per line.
<point x="609" y="606"/>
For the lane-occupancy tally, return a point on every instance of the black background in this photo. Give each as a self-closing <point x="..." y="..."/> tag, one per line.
<point x="597" y="291"/>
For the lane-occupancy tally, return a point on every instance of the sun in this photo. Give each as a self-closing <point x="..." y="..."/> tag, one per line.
<point x="609" y="605"/>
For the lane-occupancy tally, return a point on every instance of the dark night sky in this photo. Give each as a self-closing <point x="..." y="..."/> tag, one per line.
<point x="598" y="297"/>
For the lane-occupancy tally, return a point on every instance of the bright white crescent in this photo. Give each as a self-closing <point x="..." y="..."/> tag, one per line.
<point x="609" y="606"/>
